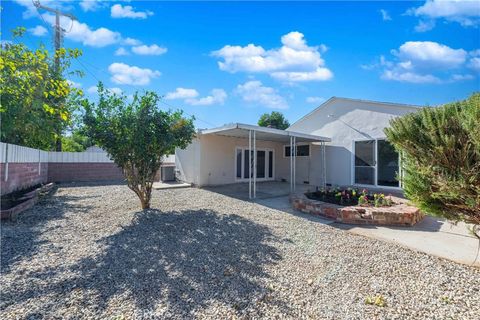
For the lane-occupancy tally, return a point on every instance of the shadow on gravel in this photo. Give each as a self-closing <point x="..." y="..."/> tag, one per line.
<point x="21" y="239"/>
<point x="185" y="260"/>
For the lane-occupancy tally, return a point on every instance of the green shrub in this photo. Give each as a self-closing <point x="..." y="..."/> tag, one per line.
<point x="440" y="151"/>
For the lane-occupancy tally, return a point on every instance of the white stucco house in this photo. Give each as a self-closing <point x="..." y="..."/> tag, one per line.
<point x="340" y="143"/>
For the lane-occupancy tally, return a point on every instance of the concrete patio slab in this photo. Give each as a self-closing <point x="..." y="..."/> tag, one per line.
<point x="434" y="236"/>
<point x="170" y="185"/>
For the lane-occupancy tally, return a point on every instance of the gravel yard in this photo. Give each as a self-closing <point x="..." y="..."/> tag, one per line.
<point x="89" y="252"/>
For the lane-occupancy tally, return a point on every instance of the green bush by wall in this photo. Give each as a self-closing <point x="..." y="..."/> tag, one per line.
<point x="440" y="151"/>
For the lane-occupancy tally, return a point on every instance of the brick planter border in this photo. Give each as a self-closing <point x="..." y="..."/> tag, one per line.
<point x="397" y="215"/>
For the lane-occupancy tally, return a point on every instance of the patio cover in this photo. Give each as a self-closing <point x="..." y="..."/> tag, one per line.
<point x="253" y="133"/>
<point x="240" y="130"/>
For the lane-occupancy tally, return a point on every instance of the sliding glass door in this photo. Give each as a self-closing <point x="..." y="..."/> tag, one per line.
<point x="388" y="164"/>
<point x="265" y="164"/>
<point x="365" y="162"/>
<point x="376" y="163"/>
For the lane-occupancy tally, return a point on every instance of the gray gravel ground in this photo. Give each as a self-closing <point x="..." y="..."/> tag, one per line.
<point x="89" y="252"/>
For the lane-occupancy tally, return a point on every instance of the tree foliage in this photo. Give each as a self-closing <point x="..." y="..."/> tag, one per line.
<point x="136" y="135"/>
<point x="273" y="120"/>
<point x="440" y="150"/>
<point x="77" y="141"/>
<point x="37" y="103"/>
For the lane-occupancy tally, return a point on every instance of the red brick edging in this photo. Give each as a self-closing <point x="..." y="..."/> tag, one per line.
<point x="400" y="214"/>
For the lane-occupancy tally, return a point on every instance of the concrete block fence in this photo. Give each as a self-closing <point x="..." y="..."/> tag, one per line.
<point x="22" y="167"/>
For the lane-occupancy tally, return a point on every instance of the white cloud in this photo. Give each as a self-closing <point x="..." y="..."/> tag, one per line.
<point x="131" y="42"/>
<point x="153" y="50"/>
<point x="424" y="26"/>
<point x="475" y="63"/>
<point x="121" y="52"/>
<point x="406" y="76"/>
<point x="294" y="61"/>
<point x="462" y="77"/>
<point x="92" y="5"/>
<point x="81" y="32"/>
<point x="124" y="74"/>
<point x="385" y="15"/>
<point x="430" y="54"/>
<point x="190" y="96"/>
<point x="182" y="93"/>
<point x="315" y="99"/>
<point x="38" y="31"/>
<point x="217" y="96"/>
<point x="255" y="92"/>
<point x="119" y="11"/>
<point x="320" y="74"/>
<point x="423" y="62"/>
<point x="464" y="12"/>
<point x="115" y="90"/>
<point x="31" y="10"/>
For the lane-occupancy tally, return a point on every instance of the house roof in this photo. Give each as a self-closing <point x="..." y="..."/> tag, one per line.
<point x="332" y="99"/>
<point x="240" y="130"/>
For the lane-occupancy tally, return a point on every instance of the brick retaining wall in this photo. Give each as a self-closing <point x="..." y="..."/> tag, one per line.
<point x="83" y="171"/>
<point x="400" y="214"/>
<point x="22" y="175"/>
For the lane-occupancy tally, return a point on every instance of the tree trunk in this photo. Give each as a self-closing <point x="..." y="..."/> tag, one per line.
<point x="145" y="204"/>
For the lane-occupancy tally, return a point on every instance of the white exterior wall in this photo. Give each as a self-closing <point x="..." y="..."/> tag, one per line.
<point x="210" y="160"/>
<point x="350" y="120"/>
<point x="308" y="169"/>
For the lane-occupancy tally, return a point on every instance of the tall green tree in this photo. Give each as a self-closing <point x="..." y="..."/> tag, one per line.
<point x="36" y="103"/>
<point x="137" y="135"/>
<point x="273" y="120"/>
<point x="440" y="150"/>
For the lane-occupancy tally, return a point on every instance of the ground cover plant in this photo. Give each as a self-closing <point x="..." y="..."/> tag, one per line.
<point x="351" y="197"/>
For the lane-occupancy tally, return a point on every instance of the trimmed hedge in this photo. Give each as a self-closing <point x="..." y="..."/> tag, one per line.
<point x="440" y="151"/>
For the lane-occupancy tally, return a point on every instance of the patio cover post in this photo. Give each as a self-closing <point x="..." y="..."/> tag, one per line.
<point x="254" y="164"/>
<point x="291" y="164"/>
<point x="249" y="164"/>
<point x="324" y="165"/>
<point x="294" y="162"/>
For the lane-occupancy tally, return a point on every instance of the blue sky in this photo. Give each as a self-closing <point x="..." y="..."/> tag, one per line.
<point x="230" y="62"/>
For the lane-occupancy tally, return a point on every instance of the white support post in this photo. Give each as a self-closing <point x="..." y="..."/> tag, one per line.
<point x="294" y="162"/>
<point x="6" y="162"/>
<point x="254" y="164"/>
<point x="324" y="165"/>
<point x="291" y="164"/>
<point x="39" y="161"/>
<point x="249" y="164"/>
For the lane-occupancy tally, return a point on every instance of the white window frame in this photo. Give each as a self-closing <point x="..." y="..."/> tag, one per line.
<point x="375" y="180"/>
<point x="242" y="179"/>
<point x="298" y="144"/>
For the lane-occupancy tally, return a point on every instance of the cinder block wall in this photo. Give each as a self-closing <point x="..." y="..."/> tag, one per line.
<point x="83" y="171"/>
<point x="22" y="175"/>
<point x="24" y="164"/>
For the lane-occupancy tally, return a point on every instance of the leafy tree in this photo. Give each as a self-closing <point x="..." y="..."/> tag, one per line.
<point x="136" y="135"/>
<point x="77" y="141"/>
<point x="36" y="102"/>
<point x="440" y="150"/>
<point x="273" y="120"/>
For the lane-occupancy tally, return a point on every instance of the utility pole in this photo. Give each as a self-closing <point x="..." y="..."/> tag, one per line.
<point x="57" y="44"/>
